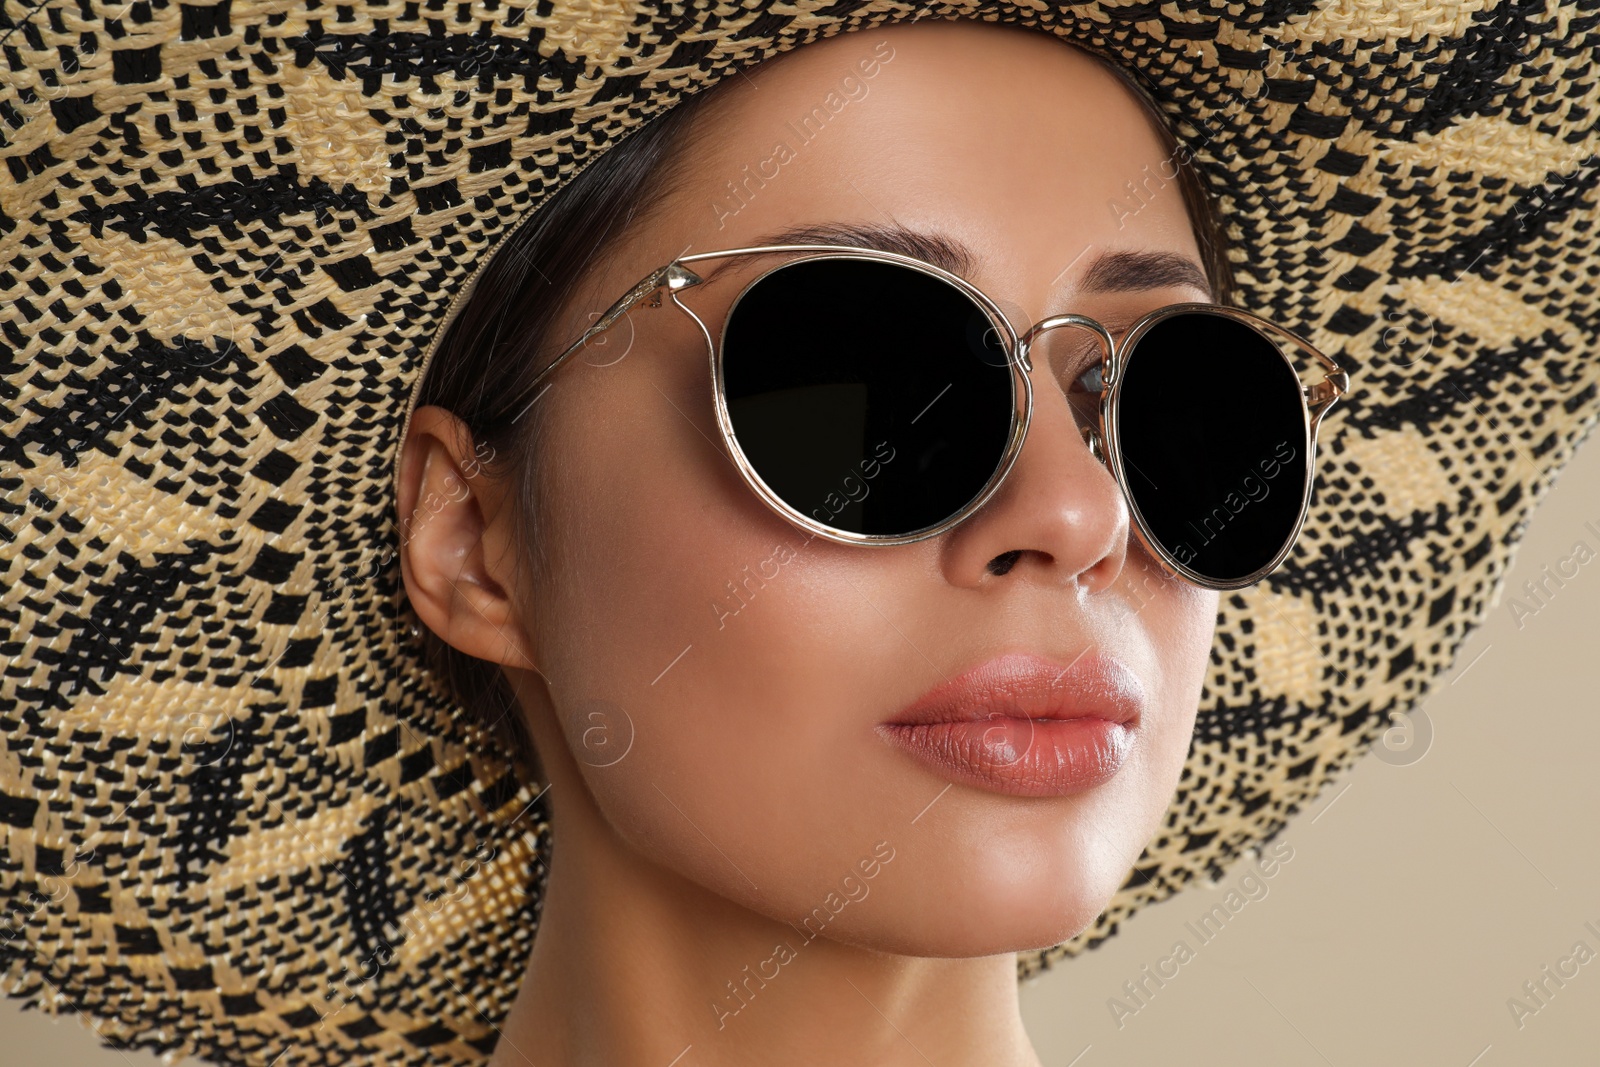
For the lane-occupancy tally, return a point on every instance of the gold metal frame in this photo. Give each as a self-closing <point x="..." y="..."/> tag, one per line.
<point x="1315" y="399"/>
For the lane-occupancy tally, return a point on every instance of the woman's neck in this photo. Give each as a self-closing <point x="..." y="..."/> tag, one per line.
<point x="635" y="965"/>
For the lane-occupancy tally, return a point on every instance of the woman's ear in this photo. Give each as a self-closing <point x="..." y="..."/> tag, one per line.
<point x="457" y="555"/>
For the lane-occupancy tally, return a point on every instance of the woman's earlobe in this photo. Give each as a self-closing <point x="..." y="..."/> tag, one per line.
<point x="457" y="573"/>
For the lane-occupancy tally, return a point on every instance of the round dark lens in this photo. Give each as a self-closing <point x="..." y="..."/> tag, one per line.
<point x="871" y="397"/>
<point x="1213" y="441"/>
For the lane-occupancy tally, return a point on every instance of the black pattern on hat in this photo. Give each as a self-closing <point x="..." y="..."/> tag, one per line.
<point x="238" y="814"/>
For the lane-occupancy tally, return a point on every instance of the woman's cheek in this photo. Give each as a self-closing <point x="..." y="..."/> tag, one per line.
<point x="649" y="658"/>
<point x="1182" y="625"/>
<point x="751" y="756"/>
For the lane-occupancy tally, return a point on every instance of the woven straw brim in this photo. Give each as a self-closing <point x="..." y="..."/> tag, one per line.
<point x="239" y="818"/>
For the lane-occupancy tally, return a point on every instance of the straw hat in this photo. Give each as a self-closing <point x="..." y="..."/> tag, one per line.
<point x="234" y="801"/>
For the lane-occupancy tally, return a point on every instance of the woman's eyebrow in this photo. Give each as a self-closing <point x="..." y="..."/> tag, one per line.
<point x="1110" y="272"/>
<point x="1124" y="272"/>
<point x="940" y="249"/>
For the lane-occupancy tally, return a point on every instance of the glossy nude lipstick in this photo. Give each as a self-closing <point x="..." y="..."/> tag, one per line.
<point x="1025" y="725"/>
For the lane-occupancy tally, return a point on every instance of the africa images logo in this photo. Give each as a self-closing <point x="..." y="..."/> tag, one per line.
<point x="1251" y="490"/>
<point x="804" y="129"/>
<point x="852" y="888"/>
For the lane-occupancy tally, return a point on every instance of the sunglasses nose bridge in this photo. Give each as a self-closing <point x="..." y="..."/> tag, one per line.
<point x="1091" y="435"/>
<point x="1081" y="322"/>
<point x="1108" y="346"/>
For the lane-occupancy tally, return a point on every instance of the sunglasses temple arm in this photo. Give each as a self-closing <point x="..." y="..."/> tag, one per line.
<point x="1322" y="395"/>
<point x="689" y="311"/>
<point x="672" y="277"/>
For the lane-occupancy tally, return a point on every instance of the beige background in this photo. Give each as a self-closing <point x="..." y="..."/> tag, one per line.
<point x="1419" y="898"/>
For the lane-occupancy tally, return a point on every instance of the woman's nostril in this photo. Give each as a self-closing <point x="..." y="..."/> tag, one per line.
<point x="1004" y="562"/>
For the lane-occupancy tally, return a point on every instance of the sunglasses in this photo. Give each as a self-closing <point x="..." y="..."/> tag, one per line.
<point x="872" y="398"/>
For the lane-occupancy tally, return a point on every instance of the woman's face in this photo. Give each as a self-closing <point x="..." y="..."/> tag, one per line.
<point x="746" y="669"/>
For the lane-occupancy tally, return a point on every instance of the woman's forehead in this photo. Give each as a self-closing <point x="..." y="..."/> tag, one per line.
<point x="1011" y="144"/>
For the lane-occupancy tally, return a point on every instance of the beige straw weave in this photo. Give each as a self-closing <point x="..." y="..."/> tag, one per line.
<point x="238" y="816"/>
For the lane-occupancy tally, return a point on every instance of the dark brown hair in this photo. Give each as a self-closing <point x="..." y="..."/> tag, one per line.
<point x="513" y="322"/>
<point x="505" y="332"/>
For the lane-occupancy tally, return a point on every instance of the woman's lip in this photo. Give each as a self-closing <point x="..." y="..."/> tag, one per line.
<point x="1021" y="685"/>
<point x="1020" y="757"/>
<point x="1025" y="725"/>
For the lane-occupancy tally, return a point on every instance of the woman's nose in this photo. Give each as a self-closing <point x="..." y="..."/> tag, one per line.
<point x="1059" y="517"/>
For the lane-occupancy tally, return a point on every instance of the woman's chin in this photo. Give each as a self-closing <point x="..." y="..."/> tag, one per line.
<point x="969" y="932"/>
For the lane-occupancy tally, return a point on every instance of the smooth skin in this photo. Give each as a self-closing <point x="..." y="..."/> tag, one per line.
<point x="754" y="787"/>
